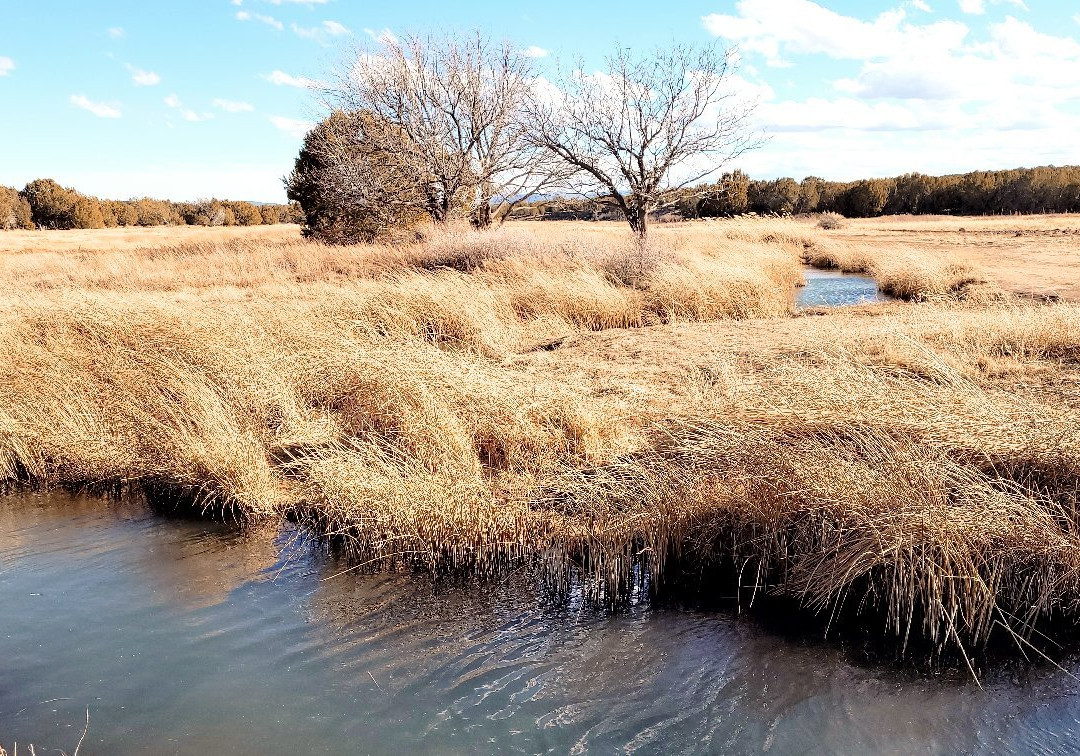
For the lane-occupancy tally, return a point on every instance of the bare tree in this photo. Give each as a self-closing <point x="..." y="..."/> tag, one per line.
<point x="645" y="127"/>
<point x="453" y="111"/>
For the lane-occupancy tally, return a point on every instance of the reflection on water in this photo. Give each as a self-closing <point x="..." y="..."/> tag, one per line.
<point x="185" y="637"/>
<point x="831" y="288"/>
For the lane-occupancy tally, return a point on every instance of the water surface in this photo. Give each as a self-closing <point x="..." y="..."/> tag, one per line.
<point x="831" y="288"/>
<point x="185" y="637"/>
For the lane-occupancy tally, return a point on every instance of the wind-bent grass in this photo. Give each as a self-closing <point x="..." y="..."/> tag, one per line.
<point x="905" y="273"/>
<point x="902" y="271"/>
<point x="922" y="466"/>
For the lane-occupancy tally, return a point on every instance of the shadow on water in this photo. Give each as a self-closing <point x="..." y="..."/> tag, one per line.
<point x="831" y="288"/>
<point x="186" y="636"/>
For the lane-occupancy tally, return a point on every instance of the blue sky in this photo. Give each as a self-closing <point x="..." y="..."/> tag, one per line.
<point x="125" y="98"/>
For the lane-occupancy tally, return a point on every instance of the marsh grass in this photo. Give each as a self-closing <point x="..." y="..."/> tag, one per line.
<point x="906" y="273"/>
<point x="389" y="399"/>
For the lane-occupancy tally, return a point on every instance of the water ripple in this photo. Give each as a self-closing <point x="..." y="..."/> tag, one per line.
<point x="187" y="637"/>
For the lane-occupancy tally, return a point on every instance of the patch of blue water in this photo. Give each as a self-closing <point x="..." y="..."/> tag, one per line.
<point x="830" y="288"/>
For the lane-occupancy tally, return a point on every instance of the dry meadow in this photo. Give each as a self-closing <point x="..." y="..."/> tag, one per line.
<point x="558" y="395"/>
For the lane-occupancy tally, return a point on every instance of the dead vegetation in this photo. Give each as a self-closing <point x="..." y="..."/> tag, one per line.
<point x="904" y="272"/>
<point x="917" y="464"/>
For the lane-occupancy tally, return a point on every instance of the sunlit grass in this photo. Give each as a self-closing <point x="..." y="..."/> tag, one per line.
<point x="919" y="461"/>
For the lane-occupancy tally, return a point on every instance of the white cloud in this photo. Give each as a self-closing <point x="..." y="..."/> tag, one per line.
<point x="848" y="155"/>
<point x="384" y="36"/>
<point x="286" y="80"/>
<point x="325" y="29"/>
<point x="777" y="27"/>
<point x="1019" y="40"/>
<point x="978" y="7"/>
<point x="912" y="61"/>
<point x="922" y="5"/>
<point x="335" y="29"/>
<point x="7" y="65"/>
<point x="293" y="126"/>
<point x="818" y="114"/>
<point x="116" y="32"/>
<point x="914" y="90"/>
<point x="233" y="106"/>
<point x="268" y="20"/>
<point x="297" y="2"/>
<point x="143" y="78"/>
<point x="534" y="51"/>
<point x="186" y="113"/>
<point x="100" y="109"/>
<point x="1017" y="64"/>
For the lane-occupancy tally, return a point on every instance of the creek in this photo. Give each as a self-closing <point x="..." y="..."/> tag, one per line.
<point x="190" y="637"/>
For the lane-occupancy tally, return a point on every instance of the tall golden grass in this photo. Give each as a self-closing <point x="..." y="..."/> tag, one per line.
<point x="559" y="394"/>
<point x="904" y="272"/>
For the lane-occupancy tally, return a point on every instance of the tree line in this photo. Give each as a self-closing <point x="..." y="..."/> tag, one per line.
<point x="1047" y="189"/>
<point x="45" y="204"/>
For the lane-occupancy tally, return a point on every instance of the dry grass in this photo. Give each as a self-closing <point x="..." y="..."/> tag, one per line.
<point x="920" y="463"/>
<point x="904" y="272"/>
<point x="831" y="221"/>
<point x="1034" y="255"/>
<point x="136" y="237"/>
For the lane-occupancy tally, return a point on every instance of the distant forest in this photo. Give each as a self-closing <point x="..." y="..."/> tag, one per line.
<point x="43" y="203"/>
<point x="1019" y="191"/>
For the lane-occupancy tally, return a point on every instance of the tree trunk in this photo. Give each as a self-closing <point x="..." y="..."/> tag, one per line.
<point x="481" y="216"/>
<point x="436" y="211"/>
<point x="438" y="205"/>
<point x="638" y="218"/>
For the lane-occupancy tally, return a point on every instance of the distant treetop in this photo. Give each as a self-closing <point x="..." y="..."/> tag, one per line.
<point x="43" y="203"/>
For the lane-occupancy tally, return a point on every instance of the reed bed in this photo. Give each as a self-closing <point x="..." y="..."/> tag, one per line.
<point x="567" y="398"/>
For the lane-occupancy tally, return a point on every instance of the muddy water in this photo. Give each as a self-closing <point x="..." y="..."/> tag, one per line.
<point x="185" y="637"/>
<point x="831" y="288"/>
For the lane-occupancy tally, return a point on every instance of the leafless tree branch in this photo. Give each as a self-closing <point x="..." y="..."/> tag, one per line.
<point x="453" y="110"/>
<point x="645" y="127"/>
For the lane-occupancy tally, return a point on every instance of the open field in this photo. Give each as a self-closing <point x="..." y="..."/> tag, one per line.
<point x="559" y="395"/>
<point x="135" y="237"/>
<point x="1031" y="254"/>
